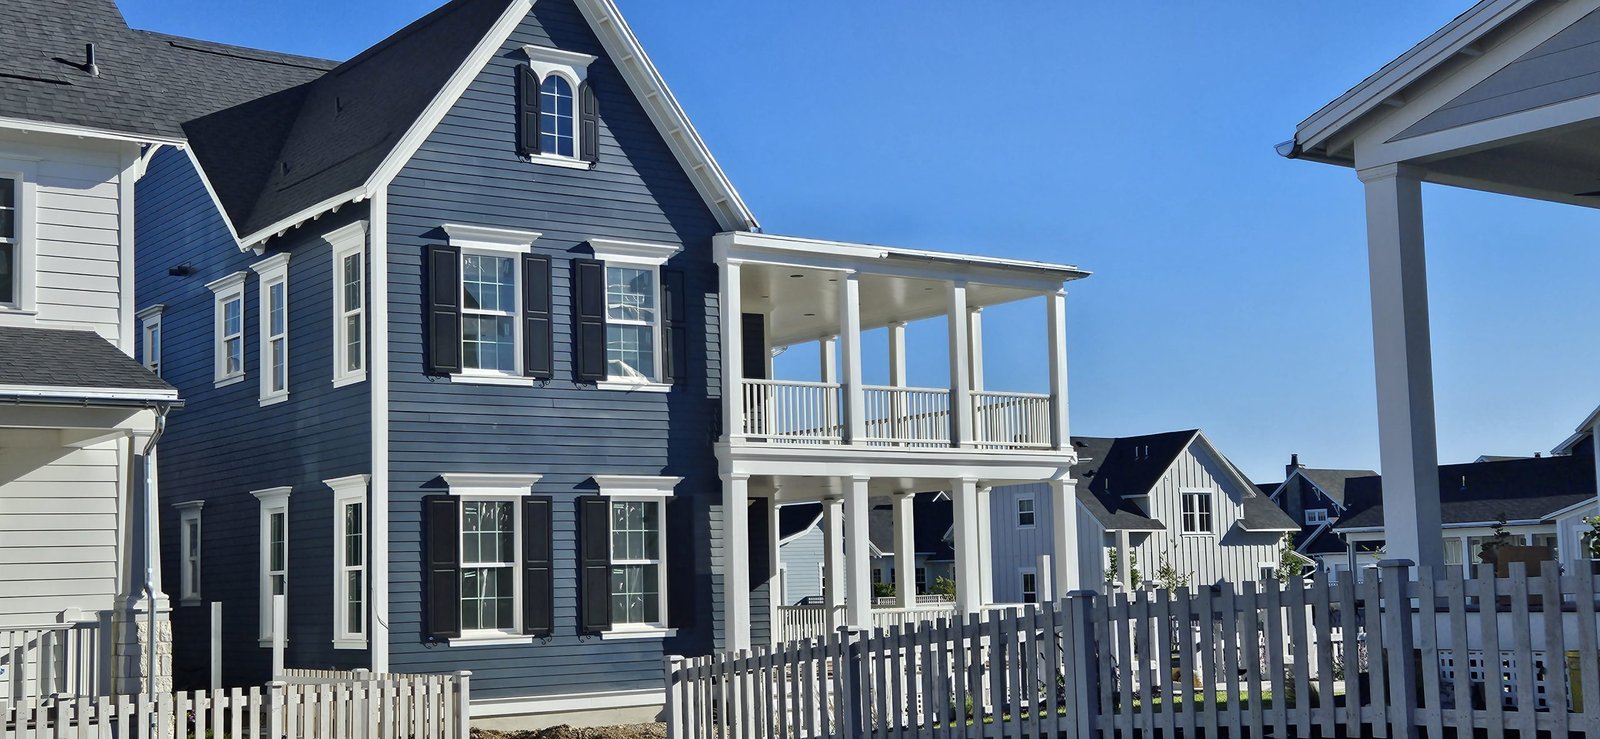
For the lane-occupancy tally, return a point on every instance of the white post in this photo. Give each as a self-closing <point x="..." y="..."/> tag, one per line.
<point x="216" y="644"/>
<point x="1064" y="536"/>
<point x="969" y="583"/>
<point x="736" y="560"/>
<point x="897" y="354"/>
<point x="732" y="354"/>
<point x="905" y="550"/>
<point x="975" y="340"/>
<point x="858" y="551"/>
<point x="1124" y="564"/>
<point x="1060" y="433"/>
<point x="1043" y="582"/>
<point x="850" y="357"/>
<point x="985" y="545"/>
<point x="833" y="585"/>
<point x="1407" y="444"/>
<point x="280" y="632"/>
<point x="774" y="561"/>
<point x="960" y="380"/>
<point x="463" y="703"/>
<point x="828" y="356"/>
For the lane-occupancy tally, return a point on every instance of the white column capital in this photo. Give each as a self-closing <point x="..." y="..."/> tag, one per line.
<point x="1391" y="171"/>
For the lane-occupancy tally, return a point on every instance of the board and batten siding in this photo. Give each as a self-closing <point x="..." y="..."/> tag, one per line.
<point x="223" y="444"/>
<point x="468" y="172"/>
<point x="801" y="559"/>
<point x="1015" y="548"/>
<point x="1229" y="553"/>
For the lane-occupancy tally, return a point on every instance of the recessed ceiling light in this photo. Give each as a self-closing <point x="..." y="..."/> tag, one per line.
<point x="797" y="276"/>
<point x="810" y="315"/>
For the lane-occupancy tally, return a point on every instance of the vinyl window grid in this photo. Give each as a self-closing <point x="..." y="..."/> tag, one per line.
<point x="189" y="548"/>
<point x="228" y="329"/>
<point x="633" y="322"/>
<point x="1316" y="516"/>
<point x="17" y="271"/>
<point x="274" y="555"/>
<point x="649" y="558"/>
<point x="1197" y="512"/>
<point x="349" y="306"/>
<point x="1025" y="512"/>
<point x="1029" y="581"/>
<point x="350" y="561"/>
<point x="558" y="118"/>
<point x="478" y="489"/>
<point x="150" y="338"/>
<point x="500" y="562"/>
<point x="503" y="312"/>
<point x="572" y="69"/>
<point x="273" y="298"/>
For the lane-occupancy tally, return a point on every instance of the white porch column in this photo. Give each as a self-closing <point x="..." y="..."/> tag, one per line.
<point x="985" y="545"/>
<point x="775" y="581"/>
<point x="975" y="341"/>
<point x="969" y="580"/>
<point x="855" y="425"/>
<point x="905" y="550"/>
<point x="828" y="359"/>
<point x="1407" y="445"/>
<point x="833" y="575"/>
<point x="960" y="366"/>
<point x="736" y="559"/>
<point x="897" y="354"/>
<point x="1124" y="565"/>
<point x="858" y="552"/>
<point x="1056" y="315"/>
<point x="732" y="354"/>
<point x="141" y="541"/>
<point x="1068" y="574"/>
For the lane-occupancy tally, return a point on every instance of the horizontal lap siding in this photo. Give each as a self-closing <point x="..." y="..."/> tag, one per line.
<point x="467" y="173"/>
<point x="58" y="537"/>
<point x="223" y="444"/>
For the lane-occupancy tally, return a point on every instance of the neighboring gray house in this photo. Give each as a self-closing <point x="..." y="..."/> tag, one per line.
<point x="1143" y="499"/>
<point x="1315" y="498"/>
<point x="802" y="554"/>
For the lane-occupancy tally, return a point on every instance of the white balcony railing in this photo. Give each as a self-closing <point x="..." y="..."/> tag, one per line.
<point x="1011" y="420"/>
<point x="792" y="412"/>
<point x="910" y="416"/>
<point x="49" y="659"/>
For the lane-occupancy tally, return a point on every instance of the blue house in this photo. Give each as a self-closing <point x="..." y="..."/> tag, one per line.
<point x="477" y="339"/>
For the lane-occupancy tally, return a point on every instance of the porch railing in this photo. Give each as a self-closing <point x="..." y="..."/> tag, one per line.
<point x="1011" y="420"/>
<point x="792" y="411"/>
<point x="910" y="416"/>
<point x="44" y="660"/>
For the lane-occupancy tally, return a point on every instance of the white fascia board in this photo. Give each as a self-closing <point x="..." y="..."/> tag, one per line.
<point x="96" y="393"/>
<point x="85" y="132"/>
<point x="1574" y="508"/>
<point x="283" y="226"/>
<point x="744" y="246"/>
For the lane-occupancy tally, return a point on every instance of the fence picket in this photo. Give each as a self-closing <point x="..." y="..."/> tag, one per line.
<point x="1250" y="646"/>
<point x="927" y="703"/>
<point x="1494" y="689"/>
<point x="1557" y="687"/>
<point x="1589" y="677"/>
<point x="1322" y="633"/>
<point x="1377" y="666"/>
<point x="1522" y="668"/>
<point x="1295" y="608"/>
<point x="1208" y="663"/>
<point x="1182" y="624"/>
<point x="1273" y="631"/>
<point x="962" y="669"/>
<point x="1144" y="694"/>
<point x="1430" y="713"/>
<point x="1052" y="653"/>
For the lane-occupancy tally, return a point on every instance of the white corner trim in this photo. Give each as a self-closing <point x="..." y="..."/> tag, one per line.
<point x="489" y="641"/>
<point x="488" y="237"/>
<point x="271" y="496"/>
<point x="275" y="263"/>
<point x="636" y="485"/>
<point x="630" y="386"/>
<point x="628" y="632"/>
<point x="637" y="252"/>
<point x="152" y="311"/>
<point x="348" y="482"/>
<point x="378" y="441"/>
<point x="473" y="483"/>
<point x="222" y="284"/>
<point x="558" y="56"/>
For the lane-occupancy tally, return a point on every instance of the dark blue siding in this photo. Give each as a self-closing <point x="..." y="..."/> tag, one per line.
<point x="224" y="445"/>
<point x="468" y="173"/>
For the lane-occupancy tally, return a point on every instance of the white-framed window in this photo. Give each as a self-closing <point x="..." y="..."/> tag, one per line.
<point x="1030" y="584"/>
<point x="922" y="580"/>
<point x="1025" y="513"/>
<point x="349" y="304"/>
<point x="1316" y="516"/>
<point x="638" y="552"/>
<point x="228" y="329"/>
<point x="349" y="561"/>
<point x="561" y="73"/>
<point x="273" y="504"/>
<point x="1197" y="512"/>
<point x="150" y="337"/>
<point x="633" y="312"/>
<point x="491" y="555"/>
<point x="189" y="551"/>
<point x="274" y="314"/>
<point x="491" y="302"/>
<point x="17" y="276"/>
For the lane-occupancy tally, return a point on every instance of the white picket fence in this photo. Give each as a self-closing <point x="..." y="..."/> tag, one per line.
<point x="40" y="661"/>
<point x="1376" y="658"/>
<point x="308" y="704"/>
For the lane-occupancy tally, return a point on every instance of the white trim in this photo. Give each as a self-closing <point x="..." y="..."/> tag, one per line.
<point x="284" y="225"/>
<point x="84" y="132"/>
<point x="636" y="485"/>
<point x="348" y="241"/>
<point x="573" y="69"/>
<point x="273" y="271"/>
<point x="24" y="175"/>
<point x="188" y="589"/>
<point x="635" y="631"/>
<point x="491" y="250"/>
<point x="556" y="160"/>
<point x="647" y="258"/>
<point x="655" y="490"/>
<point x="572" y="702"/>
<point x="557" y="57"/>
<point x="484" y="484"/>
<point x="378" y="359"/>
<point x="98" y="393"/>
<point x="489" y="639"/>
<point x="270" y="502"/>
<point x="633" y="252"/>
<point x="490" y="239"/>
<point x="1033" y="510"/>
<point x="347" y="491"/>
<point x="1184" y="494"/>
<point x="226" y="290"/>
<point x="626" y="386"/>
<point x="498" y="378"/>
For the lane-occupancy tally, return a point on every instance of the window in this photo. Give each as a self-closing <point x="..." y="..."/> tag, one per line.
<point x="1316" y="516"/>
<point x="228" y="329"/>
<point x="150" y="338"/>
<point x="349" y="561"/>
<point x="1197" y="512"/>
<point x="567" y="122"/>
<point x="274" y="580"/>
<point x="488" y="313"/>
<point x="922" y="580"/>
<point x="633" y="316"/>
<point x="1025" y="512"/>
<point x="1030" y="585"/>
<point x="638" y="551"/>
<point x="1547" y="540"/>
<point x="488" y="565"/>
<point x="349" y="304"/>
<point x="189" y="546"/>
<point x="1452" y="551"/>
<point x="556" y="134"/>
<point x="274" y="310"/>
<point x="10" y="240"/>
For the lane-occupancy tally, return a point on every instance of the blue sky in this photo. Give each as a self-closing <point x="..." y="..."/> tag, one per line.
<point x="1134" y="140"/>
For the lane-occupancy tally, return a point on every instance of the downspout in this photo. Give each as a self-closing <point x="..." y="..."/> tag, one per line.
<point x="150" y="552"/>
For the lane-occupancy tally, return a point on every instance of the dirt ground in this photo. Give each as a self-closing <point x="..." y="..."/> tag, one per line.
<point x="629" y="731"/>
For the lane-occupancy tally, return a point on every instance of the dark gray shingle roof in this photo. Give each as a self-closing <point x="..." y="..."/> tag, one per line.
<point x="1482" y="492"/>
<point x="1332" y="483"/>
<point x="59" y="358"/>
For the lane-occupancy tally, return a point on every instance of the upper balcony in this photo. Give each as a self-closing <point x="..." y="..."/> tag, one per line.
<point x="782" y="292"/>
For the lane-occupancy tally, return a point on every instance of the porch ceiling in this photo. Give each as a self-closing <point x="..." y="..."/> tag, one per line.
<point x="798" y="488"/>
<point x="802" y="304"/>
<point x="1561" y="165"/>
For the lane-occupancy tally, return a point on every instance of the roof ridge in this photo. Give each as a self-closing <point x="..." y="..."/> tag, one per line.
<point x="406" y="31"/>
<point x="243" y="53"/>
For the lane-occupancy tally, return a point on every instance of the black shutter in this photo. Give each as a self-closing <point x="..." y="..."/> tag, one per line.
<point x="589" y="319"/>
<point x="753" y="338"/>
<point x="536" y="336"/>
<point x="442" y="553"/>
<point x="444" y="309"/>
<point x="527" y="111"/>
<point x="594" y="564"/>
<point x="538" y="576"/>
<point x="588" y="124"/>
<point x="674" y="328"/>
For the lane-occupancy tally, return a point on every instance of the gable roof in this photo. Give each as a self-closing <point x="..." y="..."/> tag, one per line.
<point x="797" y="518"/>
<point x="932" y="514"/>
<point x="1333" y="483"/>
<point x="43" y="364"/>
<point x="1481" y="492"/>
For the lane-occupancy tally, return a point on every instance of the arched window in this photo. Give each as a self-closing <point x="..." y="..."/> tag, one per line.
<point x="555" y="116"/>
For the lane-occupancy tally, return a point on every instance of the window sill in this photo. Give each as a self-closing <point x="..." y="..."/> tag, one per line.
<point x="266" y="642"/>
<point x="630" y="386"/>
<point x="351" y="379"/>
<point x="226" y="381"/>
<point x="511" y="380"/>
<point x="349" y="643"/>
<point x="490" y="640"/>
<point x="638" y="632"/>
<point x="15" y="310"/>
<point x="560" y="161"/>
<point x="274" y="399"/>
<point x="191" y="601"/>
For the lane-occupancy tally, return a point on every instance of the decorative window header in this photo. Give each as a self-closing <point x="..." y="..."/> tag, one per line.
<point x="472" y="483"/>
<point x="545" y="60"/>
<point x="635" y="252"/>
<point x="223" y="284"/>
<point x="490" y="238"/>
<point x="636" y="485"/>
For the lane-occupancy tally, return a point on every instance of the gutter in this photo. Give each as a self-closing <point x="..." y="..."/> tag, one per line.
<point x="110" y="401"/>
